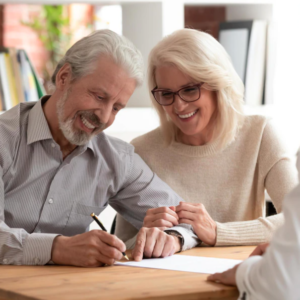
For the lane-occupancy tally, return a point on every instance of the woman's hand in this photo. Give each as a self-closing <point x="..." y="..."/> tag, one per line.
<point x="260" y="249"/>
<point x="161" y="217"/>
<point x="196" y="215"/>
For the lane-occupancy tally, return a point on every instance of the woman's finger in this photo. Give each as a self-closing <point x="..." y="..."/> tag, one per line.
<point x="186" y="221"/>
<point x="189" y="207"/>
<point x="162" y="223"/>
<point x="150" y="219"/>
<point x="187" y="215"/>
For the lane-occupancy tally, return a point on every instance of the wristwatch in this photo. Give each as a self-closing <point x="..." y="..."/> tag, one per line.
<point x="177" y="234"/>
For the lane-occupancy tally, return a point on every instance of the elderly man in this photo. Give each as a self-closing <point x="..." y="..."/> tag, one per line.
<point x="57" y="166"/>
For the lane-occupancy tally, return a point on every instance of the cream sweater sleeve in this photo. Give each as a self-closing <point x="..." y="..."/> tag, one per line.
<point x="279" y="174"/>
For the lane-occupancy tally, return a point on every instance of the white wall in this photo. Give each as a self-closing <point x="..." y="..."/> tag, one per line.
<point x="145" y="24"/>
<point x="238" y="12"/>
<point x="142" y="24"/>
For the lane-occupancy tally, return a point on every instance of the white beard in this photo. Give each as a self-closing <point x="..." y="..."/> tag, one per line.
<point x="74" y="136"/>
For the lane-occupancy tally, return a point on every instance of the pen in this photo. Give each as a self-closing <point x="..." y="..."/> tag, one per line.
<point x="104" y="229"/>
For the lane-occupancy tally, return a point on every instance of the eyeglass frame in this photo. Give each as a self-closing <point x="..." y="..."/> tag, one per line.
<point x="177" y="93"/>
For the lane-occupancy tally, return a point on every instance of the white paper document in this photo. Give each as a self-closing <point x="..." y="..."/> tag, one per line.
<point x="185" y="263"/>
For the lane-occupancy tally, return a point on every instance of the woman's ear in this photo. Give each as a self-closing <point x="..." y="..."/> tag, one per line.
<point x="63" y="77"/>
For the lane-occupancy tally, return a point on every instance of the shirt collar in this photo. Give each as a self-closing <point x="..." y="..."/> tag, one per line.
<point x="38" y="128"/>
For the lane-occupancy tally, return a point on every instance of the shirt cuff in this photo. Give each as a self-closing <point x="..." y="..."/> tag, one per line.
<point x="190" y="239"/>
<point x="242" y="275"/>
<point x="37" y="248"/>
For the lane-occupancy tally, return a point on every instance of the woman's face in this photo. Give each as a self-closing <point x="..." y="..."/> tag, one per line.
<point x="195" y="120"/>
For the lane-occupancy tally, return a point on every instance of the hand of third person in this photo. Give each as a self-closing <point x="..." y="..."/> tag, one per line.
<point x="197" y="216"/>
<point x="260" y="249"/>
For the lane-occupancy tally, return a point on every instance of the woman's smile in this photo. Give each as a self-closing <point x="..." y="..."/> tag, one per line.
<point x="186" y="117"/>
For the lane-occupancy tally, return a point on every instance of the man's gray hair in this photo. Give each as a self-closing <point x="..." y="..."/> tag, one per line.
<point x="84" y="53"/>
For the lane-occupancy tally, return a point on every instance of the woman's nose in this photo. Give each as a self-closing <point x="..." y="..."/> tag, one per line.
<point x="179" y="104"/>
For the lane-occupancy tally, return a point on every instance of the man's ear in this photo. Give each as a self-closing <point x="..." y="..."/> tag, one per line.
<point x="63" y="77"/>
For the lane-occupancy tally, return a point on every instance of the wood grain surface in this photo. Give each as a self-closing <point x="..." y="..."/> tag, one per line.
<point x="116" y="282"/>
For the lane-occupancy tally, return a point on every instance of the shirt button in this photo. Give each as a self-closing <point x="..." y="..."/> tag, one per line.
<point x="36" y="261"/>
<point x="5" y="261"/>
<point x="52" y="145"/>
<point x="50" y="201"/>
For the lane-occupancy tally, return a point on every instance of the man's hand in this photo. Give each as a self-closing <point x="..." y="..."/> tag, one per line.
<point x="161" y="217"/>
<point x="260" y="249"/>
<point x="152" y="242"/>
<point x="227" y="277"/>
<point x="197" y="216"/>
<point x="91" y="249"/>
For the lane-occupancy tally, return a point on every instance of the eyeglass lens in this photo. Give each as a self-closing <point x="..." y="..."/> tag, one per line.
<point x="165" y="97"/>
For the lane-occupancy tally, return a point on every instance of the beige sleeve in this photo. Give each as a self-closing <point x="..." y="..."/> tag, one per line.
<point x="126" y="232"/>
<point x="279" y="173"/>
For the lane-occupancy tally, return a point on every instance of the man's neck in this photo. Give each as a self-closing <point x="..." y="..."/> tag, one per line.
<point x="50" y="112"/>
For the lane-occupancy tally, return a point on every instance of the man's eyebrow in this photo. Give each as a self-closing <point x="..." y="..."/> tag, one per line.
<point x="102" y="92"/>
<point x="121" y="105"/>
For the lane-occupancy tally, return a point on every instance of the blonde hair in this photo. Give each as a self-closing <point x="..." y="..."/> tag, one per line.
<point x="201" y="57"/>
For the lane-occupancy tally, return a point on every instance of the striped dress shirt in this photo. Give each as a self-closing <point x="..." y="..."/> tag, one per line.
<point x="42" y="195"/>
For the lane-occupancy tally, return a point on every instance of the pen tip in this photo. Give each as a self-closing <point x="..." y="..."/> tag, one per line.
<point x="126" y="257"/>
<point x="92" y="214"/>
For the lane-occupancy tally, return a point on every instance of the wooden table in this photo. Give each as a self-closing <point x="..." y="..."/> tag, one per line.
<point x="116" y="282"/>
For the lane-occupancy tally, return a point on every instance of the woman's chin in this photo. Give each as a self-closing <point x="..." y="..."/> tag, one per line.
<point x="188" y="134"/>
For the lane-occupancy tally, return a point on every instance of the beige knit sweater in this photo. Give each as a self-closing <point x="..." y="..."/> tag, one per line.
<point x="230" y="183"/>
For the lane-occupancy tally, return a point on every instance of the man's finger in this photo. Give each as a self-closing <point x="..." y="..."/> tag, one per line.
<point x="105" y="259"/>
<point x="110" y="252"/>
<point x="159" y="244"/>
<point x="111" y="240"/>
<point x="151" y="239"/>
<point x="169" y="246"/>
<point x="137" y="252"/>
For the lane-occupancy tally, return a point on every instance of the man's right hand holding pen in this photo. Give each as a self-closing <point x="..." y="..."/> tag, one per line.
<point x="97" y="248"/>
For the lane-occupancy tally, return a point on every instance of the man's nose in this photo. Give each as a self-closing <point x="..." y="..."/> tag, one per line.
<point x="104" y="114"/>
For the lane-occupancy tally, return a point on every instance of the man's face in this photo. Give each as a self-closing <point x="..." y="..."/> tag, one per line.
<point x="90" y="104"/>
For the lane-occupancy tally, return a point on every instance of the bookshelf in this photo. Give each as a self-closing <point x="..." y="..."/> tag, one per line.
<point x="18" y="79"/>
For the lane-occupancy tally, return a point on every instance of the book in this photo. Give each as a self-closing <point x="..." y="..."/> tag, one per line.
<point x="17" y="74"/>
<point x="1" y="98"/>
<point x="40" y="88"/>
<point x="11" y="79"/>
<point x="4" y="83"/>
<point x="29" y="85"/>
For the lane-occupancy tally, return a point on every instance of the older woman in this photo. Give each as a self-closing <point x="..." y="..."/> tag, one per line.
<point x="215" y="157"/>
